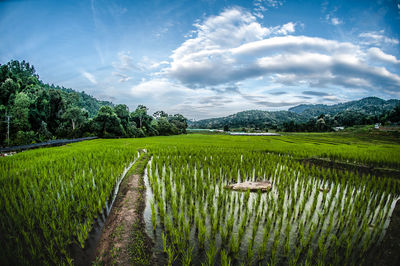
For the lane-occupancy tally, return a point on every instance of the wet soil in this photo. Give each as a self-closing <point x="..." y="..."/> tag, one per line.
<point x="389" y="252"/>
<point x="124" y="226"/>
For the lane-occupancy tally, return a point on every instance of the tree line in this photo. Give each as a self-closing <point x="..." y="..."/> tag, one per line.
<point x="325" y="123"/>
<point x="31" y="111"/>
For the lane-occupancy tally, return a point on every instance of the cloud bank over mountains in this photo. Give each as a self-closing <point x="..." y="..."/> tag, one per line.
<point x="232" y="48"/>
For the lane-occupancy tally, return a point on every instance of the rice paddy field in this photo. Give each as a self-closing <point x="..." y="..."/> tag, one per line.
<point x="51" y="198"/>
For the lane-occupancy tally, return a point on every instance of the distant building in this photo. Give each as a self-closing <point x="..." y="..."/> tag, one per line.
<point x="377" y="125"/>
<point x="338" y="128"/>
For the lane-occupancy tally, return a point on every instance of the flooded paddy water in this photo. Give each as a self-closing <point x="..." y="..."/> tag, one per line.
<point x="310" y="215"/>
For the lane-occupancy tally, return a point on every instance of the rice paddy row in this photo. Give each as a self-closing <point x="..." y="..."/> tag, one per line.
<point x="308" y="211"/>
<point x="50" y="198"/>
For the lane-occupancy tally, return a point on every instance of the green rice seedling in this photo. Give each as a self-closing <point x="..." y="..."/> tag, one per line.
<point x="241" y="232"/>
<point x="296" y="256"/>
<point x="164" y="241"/>
<point x="234" y="246"/>
<point x="202" y="234"/>
<point x="225" y="259"/>
<point x="171" y="255"/>
<point x="255" y="229"/>
<point x="185" y="170"/>
<point x="187" y="256"/>
<point x="250" y="250"/>
<point x="153" y="215"/>
<point x="287" y="241"/>
<point x="224" y="235"/>
<point x="211" y="254"/>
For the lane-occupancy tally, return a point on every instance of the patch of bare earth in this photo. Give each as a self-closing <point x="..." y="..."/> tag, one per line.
<point x="262" y="186"/>
<point x="113" y="245"/>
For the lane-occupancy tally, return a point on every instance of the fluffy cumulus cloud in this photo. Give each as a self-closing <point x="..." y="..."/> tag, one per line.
<point x="231" y="62"/>
<point x="378" y="54"/>
<point x="207" y="59"/>
<point x="159" y="88"/>
<point x="233" y="47"/>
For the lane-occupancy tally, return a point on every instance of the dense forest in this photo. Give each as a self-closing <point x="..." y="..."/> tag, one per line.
<point x="31" y="111"/>
<point x="311" y="118"/>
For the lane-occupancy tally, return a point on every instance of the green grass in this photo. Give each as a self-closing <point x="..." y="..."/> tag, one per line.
<point x="50" y="197"/>
<point x="317" y="209"/>
<point x="139" y="246"/>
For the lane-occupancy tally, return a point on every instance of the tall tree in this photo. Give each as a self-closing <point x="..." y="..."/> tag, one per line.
<point x="20" y="113"/>
<point x="122" y="111"/>
<point x="180" y="122"/>
<point x="8" y="89"/>
<point x="141" y="117"/>
<point x="107" y="124"/>
<point x="76" y="116"/>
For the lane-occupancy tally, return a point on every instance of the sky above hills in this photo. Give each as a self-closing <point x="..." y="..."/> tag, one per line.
<point x="209" y="58"/>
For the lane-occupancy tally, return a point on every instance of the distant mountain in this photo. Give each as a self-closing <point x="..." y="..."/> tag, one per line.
<point x="251" y="118"/>
<point x="370" y="106"/>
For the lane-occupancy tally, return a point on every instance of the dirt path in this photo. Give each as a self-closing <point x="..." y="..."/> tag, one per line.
<point x="123" y="230"/>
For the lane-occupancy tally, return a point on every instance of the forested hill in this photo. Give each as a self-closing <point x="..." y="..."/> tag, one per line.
<point x="370" y="106"/>
<point x="32" y="111"/>
<point x="85" y="101"/>
<point x="318" y="117"/>
<point x="249" y="119"/>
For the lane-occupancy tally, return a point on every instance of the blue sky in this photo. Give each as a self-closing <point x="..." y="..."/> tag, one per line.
<point x="209" y="58"/>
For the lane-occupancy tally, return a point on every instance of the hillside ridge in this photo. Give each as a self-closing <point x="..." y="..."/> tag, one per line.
<point x="371" y="107"/>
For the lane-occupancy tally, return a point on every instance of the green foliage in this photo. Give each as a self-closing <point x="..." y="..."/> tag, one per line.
<point x="296" y="220"/>
<point x="139" y="247"/>
<point x="56" y="112"/>
<point x="107" y="124"/>
<point x="8" y="89"/>
<point x="250" y="119"/>
<point x="50" y="197"/>
<point x="310" y="118"/>
<point x="20" y="112"/>
<point x="369" y="106"/>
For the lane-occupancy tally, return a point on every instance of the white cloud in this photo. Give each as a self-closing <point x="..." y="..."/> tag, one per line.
<point x="125" y="62"/>
<point x="159" y="64"/>
<point x="158" y="88"/>
<point x="261" y="6"/>
<point x="336" y="21"/>
<point x="285" y="29"/>
<point x="149" y="64"/>
<point x="233" y="47"/>
<point x="90" y="77"/>
<point x="376" y="53"/>
<point x="377" y="38"/>
<point x="273" y="3"/>
<point x="292" y="44"/>
<point x="330" y="18"/>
